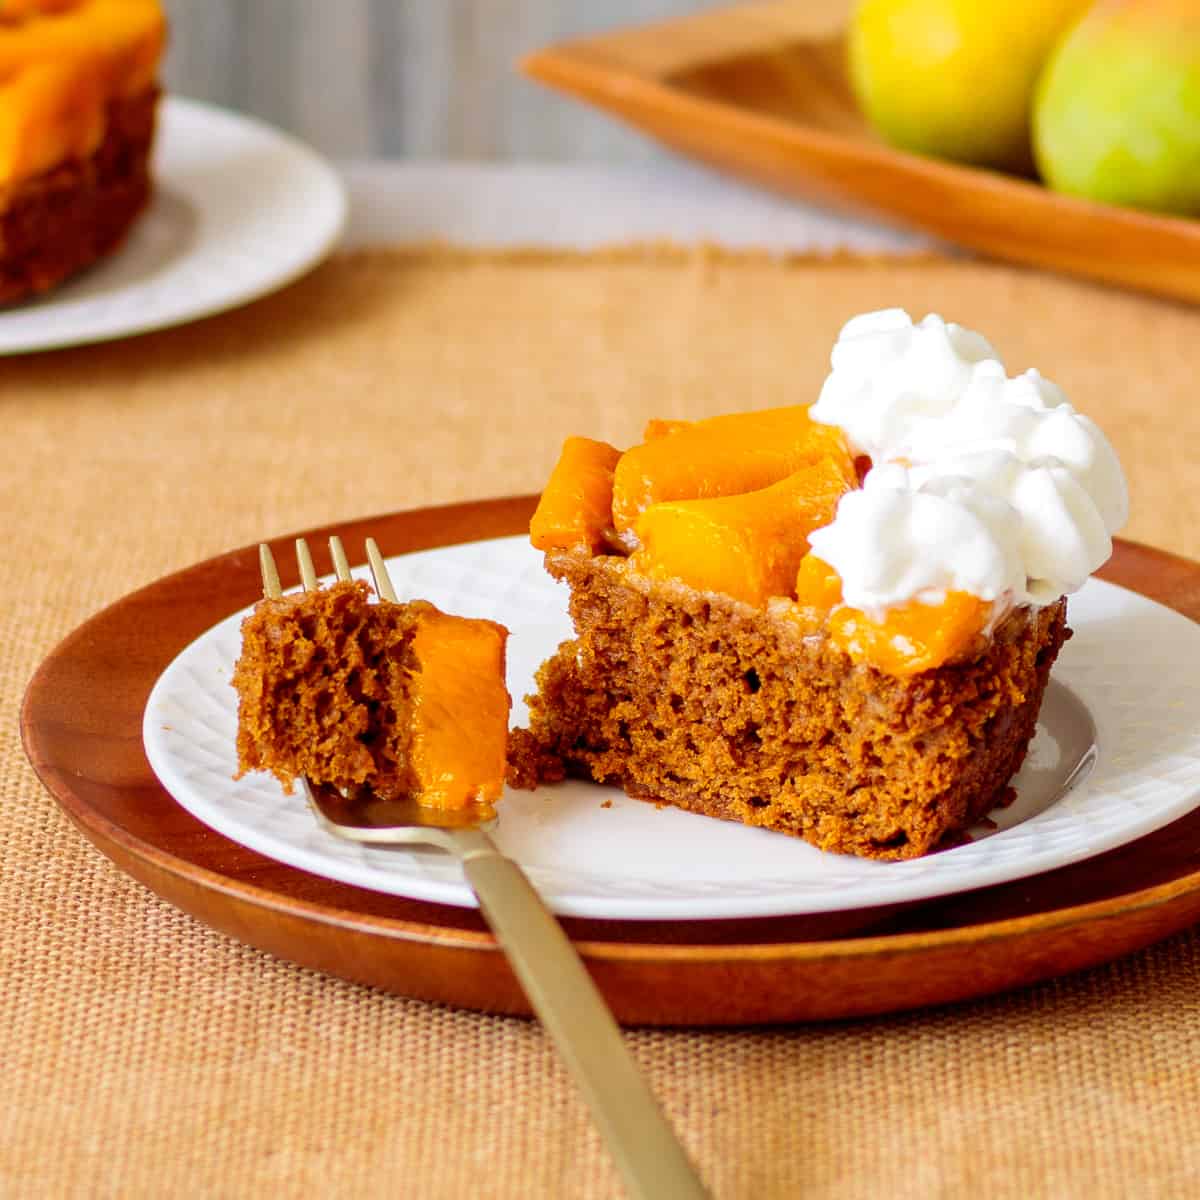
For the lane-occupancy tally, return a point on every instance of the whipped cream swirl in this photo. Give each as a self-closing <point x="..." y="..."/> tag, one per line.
<point x="980" y="483"/>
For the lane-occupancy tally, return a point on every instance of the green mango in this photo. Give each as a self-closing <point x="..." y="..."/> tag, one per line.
<point x="1116" y="113"/>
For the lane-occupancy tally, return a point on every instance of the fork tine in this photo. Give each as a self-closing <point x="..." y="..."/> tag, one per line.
<point x="269" y="572"/>
<point x="379" y="572"/>
<point x="340" y="563"/>
<point x="308" y="574"/>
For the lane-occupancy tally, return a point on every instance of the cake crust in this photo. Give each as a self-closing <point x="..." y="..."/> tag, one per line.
<point x="714" y="706"/>
<point x="55" y="224"/>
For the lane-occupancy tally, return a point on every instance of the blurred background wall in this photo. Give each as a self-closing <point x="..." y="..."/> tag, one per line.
<point x="402" y="78"/>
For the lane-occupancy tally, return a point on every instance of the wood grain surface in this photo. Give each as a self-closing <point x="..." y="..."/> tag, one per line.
<point x="751" y="91"/>
<point x="81" y="724"/>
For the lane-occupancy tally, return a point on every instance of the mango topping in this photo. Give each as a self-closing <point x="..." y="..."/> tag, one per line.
<point x="912" y="637"/>
<point x="460" y="711"/>
<point x="721" y="456"/>
<point x="726" y="505"/>
<point x="748" y="546"/>
<point x="61" y="64"/>
<point x="818" y="586"/>
<point x="576" y="507"/>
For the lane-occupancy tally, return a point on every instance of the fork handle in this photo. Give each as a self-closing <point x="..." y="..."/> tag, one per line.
<point x="650" y="1159"/>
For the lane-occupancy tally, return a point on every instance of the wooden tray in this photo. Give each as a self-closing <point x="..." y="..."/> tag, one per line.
<point x="81" y="723"/>
<point x="749" y="90"/>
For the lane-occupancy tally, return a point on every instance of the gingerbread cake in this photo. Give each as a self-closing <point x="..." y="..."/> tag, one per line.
<point x="402" y="699"/>
<point x="78" y="95"/>
<point x="835" y="622"/>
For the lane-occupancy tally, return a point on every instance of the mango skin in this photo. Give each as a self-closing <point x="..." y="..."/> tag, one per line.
<point x="955" y="78"/>
<point x="1117" y="111"/>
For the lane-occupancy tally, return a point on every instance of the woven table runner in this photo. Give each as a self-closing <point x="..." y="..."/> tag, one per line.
<point x="145" y="1055"/>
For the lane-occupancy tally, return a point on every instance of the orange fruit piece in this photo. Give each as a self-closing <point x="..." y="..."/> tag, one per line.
<point x="460" y="710"/>
<point x="748" y="546"/>
<point x="576" y="507"/>
<point x="818" y="585"/>
<point x="720" y="456"/>
<point x="913" y="637"/>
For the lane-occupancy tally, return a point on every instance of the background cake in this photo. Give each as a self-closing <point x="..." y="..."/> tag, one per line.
<point x="78" y="93"/>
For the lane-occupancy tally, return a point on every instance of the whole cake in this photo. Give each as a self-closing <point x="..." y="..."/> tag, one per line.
<point x="402" y="699"/>
<point x="78" y="93"/>
<point x="836" y="622"/>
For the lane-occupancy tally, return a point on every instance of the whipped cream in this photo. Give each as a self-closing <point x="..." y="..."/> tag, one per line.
<point x="888" y="373"/>
<point x="980" y="482"/>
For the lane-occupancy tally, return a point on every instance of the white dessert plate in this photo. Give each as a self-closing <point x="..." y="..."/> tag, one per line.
<point x="239" y="210"/>
<point x="1117" y="755"/>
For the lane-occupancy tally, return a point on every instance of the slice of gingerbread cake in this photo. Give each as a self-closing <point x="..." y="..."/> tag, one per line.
<point x="835" y="621"/>
<point x="402" y="699"/>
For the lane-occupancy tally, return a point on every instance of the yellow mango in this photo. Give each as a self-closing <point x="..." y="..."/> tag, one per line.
<point x="460" y="710"/>
<point x="721" y="456"/>
<point x="748" y="546"/>
<point x="576" y="507"/>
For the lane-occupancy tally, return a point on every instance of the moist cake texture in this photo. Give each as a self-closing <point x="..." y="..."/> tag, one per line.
<point x="399" y="698"/>
<point x="717" y="707"/>
<point x="321" y="682"/>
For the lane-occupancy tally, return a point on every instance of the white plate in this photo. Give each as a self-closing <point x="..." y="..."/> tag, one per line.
<point x="239" y="209"/>
<point x="1118" y="733"/>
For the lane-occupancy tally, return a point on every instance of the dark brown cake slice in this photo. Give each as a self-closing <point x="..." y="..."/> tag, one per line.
<point x="735" y="711"/>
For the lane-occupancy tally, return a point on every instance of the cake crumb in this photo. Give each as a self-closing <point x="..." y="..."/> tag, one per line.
<point x="530" y="763"/>
<point x="1010" y="793"/>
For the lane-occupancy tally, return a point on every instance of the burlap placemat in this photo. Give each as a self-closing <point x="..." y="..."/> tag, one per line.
<point x="143" y="1055"/>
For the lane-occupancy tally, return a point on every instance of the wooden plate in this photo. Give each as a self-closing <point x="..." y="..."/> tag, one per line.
<point x="81" y="723"/>
<point x="748" y="90"/>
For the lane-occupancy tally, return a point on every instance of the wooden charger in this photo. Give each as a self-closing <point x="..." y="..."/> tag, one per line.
<point x="81" y="723"/>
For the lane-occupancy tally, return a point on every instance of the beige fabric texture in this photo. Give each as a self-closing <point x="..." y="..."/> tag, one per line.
<point x="145" y="1055"/>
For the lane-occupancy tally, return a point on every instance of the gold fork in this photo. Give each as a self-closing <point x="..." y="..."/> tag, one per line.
<point x="650" y="1159"/>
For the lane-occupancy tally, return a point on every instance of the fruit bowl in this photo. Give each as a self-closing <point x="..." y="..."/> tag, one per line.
<point x="753" y="91"/>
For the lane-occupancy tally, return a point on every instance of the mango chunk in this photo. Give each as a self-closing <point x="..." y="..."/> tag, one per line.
<point x="50" y="112"/>
<point x="460" y="710"/>
<point x="911" y="638"/>
<point x="576" y="507"/>
<point x="717" y="457"/>
<point x="747" y="546"/>
<point x="818" y="585"/>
